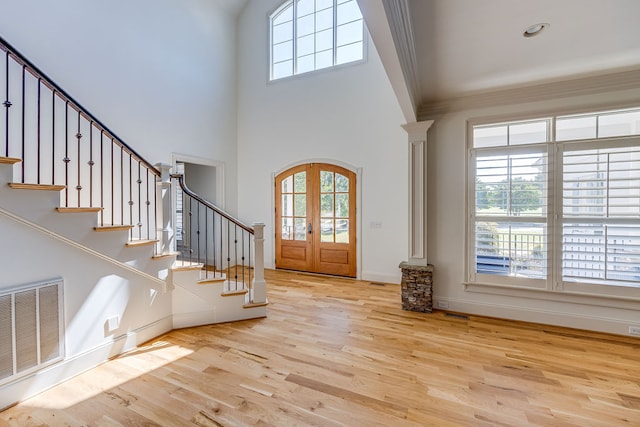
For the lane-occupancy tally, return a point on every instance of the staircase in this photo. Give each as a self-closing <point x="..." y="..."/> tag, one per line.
<point x="78" y="204"/>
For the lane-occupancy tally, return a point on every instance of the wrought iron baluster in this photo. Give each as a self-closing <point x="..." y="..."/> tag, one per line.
<point x="147" y="203"/>
<point x="6" y="103"/>
<point x="139" y="223"/>
<point x="155" y="213"/>
<point x="213" y="243"/>
<point x="24" y="158"/>
<point x="206" y="242"/>
<point x="190" y="235"/>
<point x="113" y="191"/>
<point x="53" y="136"/>
<point x="102" y="177"/>
<point x="38" y="129"/>
<point x="228" y="250"/>
<point x="66" y="159"/>
<point x="121" y="185"/>
<point x="235" y="255"/>
<point x="198" y="234"/>
<point x="243" y="266"/>
<point x="79" y="138"/>
<point x="91" y="163"/>
<point x="250" y="282"/>
<point x="130" y="196"/>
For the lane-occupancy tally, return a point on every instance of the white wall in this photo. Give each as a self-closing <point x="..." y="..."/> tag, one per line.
<point x="159" y="73"/>
<point x="346" y="116"/>
<point x="94" y="291"/>
<point x="446" y="230"/>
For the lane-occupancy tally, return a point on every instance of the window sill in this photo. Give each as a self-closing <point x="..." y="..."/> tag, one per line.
<point x="629" y="301"/>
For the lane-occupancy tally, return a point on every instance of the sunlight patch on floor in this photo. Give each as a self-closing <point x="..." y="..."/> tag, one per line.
<point x="109" y="375"/>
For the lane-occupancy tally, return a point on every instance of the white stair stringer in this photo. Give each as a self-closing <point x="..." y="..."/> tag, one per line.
<point x="193" y="303"/>
<point x="197" y="304"/>
<point x="39" y="207"/>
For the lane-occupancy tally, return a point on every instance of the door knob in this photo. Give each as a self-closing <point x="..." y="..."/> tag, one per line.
<point x="309" y="228"/>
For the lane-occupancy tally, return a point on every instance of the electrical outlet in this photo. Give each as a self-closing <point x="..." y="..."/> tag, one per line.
<point x="444" y="305"/>
<point x="634" y="330"/>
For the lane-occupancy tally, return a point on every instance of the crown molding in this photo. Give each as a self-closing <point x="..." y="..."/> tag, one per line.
<point x="399" y="16"/>
<point x="589" y="85"/>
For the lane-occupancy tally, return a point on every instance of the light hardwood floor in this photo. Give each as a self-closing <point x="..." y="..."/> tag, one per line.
<point x="340" y="352"/>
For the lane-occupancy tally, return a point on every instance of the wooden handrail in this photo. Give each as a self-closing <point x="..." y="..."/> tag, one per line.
<point x="190" y="193"/>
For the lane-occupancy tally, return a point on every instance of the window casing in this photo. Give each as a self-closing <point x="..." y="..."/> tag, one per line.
<point x="309" y="35"/>
<point x="554" y="203"/>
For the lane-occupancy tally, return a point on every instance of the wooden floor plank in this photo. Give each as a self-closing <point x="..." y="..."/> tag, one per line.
<point x="341" y="352"/>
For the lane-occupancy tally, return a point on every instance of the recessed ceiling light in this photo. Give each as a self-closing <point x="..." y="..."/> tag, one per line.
<point x="534" y="30"/>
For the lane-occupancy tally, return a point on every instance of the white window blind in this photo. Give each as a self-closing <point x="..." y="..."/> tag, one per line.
<point x="510" y="214"/>
<point x="556" y="201"/>
<point x="601" y="214"/>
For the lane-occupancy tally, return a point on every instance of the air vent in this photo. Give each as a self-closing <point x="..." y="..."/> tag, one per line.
<point x="31" y="329"/>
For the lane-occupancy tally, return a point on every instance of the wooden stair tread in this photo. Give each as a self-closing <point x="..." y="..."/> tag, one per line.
<point x="103" y="228"/>
<point x="9" y="160"/>
<point x="256" y="304"/>
<point x="45" y="187"/>
<point x="184" y="266"/>
<point x="232" y="293"/>
<point x="212" y="280"/>
<point x="133" y="243"/>
<point x="78" y="210"/>
<point x="167" y="255"/>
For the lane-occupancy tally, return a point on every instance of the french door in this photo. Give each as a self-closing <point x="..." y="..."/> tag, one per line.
<point x="315" y="219"/>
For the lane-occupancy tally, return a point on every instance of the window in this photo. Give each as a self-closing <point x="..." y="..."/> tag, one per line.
<point x="555" y="202"/>
<point x="308" y="35"/>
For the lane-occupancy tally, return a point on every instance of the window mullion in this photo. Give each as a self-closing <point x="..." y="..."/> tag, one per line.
<point x="554" y="204"/>
<point x="294" y="44"/>
<point x="606" y="252"/>
<point x="335" y="32"/>
<point x="608" y="183"/>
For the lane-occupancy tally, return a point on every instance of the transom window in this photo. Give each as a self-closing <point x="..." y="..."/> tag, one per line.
<point x="555" y="203"/>
<point x="308" y="35"/>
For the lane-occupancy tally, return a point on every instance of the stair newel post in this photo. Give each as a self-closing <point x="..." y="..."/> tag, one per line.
<point x="164" y="210"/>
<point x="259" y="286"/>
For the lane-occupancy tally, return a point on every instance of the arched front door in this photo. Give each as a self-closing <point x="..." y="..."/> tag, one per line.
<point x="315" y="219"/>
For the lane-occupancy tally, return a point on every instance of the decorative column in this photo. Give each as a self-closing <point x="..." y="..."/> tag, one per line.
<point x="164" y="210"/>
<point x="259" y="286"/>
<point x="417" y="274"/>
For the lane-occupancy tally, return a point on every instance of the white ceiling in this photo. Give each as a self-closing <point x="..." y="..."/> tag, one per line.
<point x="466" y="47"/>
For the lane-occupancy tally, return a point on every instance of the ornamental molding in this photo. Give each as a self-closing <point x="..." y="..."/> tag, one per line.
<point x="588" y="85"/>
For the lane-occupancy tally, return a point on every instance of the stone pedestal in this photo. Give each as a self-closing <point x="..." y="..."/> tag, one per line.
<point x="417" y="291"/>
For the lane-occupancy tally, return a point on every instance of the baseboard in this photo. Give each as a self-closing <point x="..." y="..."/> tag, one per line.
<point x="196" y="318"/>
<point x="209" y="317"/>
<point x="37" y="382"/>
<point x="591" y="323"/>
<point x="381" y="277"/>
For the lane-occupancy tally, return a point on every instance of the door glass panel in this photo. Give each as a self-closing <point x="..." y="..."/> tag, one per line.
<point x="287" y="205"/>
<point x="300" y="182"/>
<point x="301" y="229"/>
<point x="326" y="230"/>
<point x="300" y="205"/>
<point x="342" y="230"/>
<point x="326" y="182"/>
<point x="326" y="205"/>
<point x="287" y="184"/>
<point x="342" y="183"/>
<point x="287" y="228"/>
<point x="342" y="205"/>
<point x="294" y="207"/>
